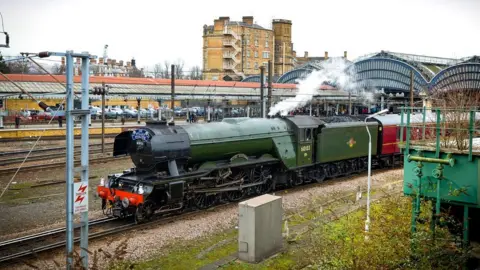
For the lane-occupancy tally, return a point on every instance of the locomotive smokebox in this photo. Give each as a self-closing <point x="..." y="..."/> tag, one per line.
<point x="153" y="146"/>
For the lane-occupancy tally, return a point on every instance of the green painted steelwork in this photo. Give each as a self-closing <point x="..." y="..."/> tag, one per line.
<point x="459" y="184"/>
<point x="449" y="161"/>
<point x="340" y="141"/>
<point x="433" y="170"/>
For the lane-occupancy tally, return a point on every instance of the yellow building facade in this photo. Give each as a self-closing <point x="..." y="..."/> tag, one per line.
<point x="233" y="50"/>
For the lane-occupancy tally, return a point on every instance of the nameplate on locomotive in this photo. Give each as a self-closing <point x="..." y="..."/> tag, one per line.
<point x="141" y="134"/>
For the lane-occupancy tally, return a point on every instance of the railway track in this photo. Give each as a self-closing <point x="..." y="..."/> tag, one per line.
<point x="30" y="244"/>
<point x="55" y="165"/>
<point x="21" y="247"/>
<point x="19" y="152"/>
<point x="9" y="161"/>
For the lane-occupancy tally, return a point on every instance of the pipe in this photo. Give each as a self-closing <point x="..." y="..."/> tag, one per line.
<point x="448" y="161"/>
<point x="270" y="69"/>
<point x="262" y="92"/>
<point x="172" y="85"/>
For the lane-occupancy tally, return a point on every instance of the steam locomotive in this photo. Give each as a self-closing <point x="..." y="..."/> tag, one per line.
<point x="198" y="165"/>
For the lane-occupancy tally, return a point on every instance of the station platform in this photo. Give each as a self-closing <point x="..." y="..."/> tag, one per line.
<point x="52" y="131"/>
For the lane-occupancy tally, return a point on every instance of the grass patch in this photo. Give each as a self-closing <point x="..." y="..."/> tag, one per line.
<point x="191" y="254"/>
<point x="342" y="244"/>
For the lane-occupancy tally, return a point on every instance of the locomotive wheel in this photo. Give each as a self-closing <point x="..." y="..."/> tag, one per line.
<point x="259" y="175"/>
<point x="236" y="195"/>
<point x="144" y="212"/>
<point x="204" y="200"/>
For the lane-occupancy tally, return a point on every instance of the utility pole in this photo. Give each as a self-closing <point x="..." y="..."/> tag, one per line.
<point x="172" y="83"/>
<point x="411" y="89"/>
<point x="77" y="193"/>
<point x="349" y="103"/>
<point x="139" y="99"/>
<point x="262" y="92"/>
<point x="103" y="119"/>
<point x="270" y="71"/>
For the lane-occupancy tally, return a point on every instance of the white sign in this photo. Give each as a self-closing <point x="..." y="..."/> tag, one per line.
<point x="80" y="197"/>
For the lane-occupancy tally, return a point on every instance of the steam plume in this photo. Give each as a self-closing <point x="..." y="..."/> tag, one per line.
<point x="334" y="70"/>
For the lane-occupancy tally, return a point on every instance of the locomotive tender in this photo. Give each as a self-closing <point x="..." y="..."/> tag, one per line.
<point x="198" y="165"/>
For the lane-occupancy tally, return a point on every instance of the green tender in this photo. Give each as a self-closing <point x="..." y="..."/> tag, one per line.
<point x="339" y="141"/>
<point x="223" y="140"/>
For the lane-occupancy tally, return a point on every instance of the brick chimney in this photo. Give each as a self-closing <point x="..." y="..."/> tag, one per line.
<point x="247" y="19"/>
<point x="128" y="64"/>
<point x="109" y="61"/>
<point x="305" y="54"/>
<point x="345" y="54"/>
<point x="114" y="62"/>
<point x="218" y="25"/>
<point x="326" y="55"/>
<point x="120" y="63"/>
<point x="100" y="61"/>
<point x="294" y="53"/>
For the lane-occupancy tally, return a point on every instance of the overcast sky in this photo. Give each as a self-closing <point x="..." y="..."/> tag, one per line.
<point x="154" y="31"/>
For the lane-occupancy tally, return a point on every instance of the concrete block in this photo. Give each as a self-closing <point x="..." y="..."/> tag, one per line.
<point x="260" y="228"/>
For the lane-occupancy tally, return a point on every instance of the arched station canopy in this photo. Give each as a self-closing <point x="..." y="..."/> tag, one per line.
<point x="462" y="76"/>
<point x="388" y="73"/>
<point x="300" y="72"/>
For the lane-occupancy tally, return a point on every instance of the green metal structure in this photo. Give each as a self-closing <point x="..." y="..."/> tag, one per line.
<point x="443" y="163"/>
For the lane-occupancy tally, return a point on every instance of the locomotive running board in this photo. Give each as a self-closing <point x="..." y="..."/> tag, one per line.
<point x="214" y="190"/>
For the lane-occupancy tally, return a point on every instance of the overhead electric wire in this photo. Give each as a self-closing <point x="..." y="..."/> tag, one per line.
<point x="39" y="137"/>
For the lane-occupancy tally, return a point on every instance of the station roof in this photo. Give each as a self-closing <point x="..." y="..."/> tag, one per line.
<point x="122" y="87"/>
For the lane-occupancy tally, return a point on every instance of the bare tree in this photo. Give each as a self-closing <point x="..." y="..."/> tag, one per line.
<point x="57" y="69"/>
<point x="3" y="66"/>
<point x="166" y="71"/>
<point x="196" y="73"/>
<point x="179" y="64"/>
<point x="19" y="67"/>
<point x="456" y="105"/>
<point x="158" y="71"/>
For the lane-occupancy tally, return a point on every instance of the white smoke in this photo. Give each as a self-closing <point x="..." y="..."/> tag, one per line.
<point x="334" y="70"/>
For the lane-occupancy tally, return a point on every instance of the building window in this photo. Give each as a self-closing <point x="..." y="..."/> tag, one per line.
<point x="266" y="54"/>
<point x="248" y="53"/>
<point x="248" y="41"/>
<point x="256" y="42"/>
<point x="256" y="65"/>
<point x="248" y="64"/>
<point x="266" y="43"/>
<point x="256" y="54"/>
<point x="265" y="64"/>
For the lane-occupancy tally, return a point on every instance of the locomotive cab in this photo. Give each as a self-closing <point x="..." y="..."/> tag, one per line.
<point x="305" y="128"/>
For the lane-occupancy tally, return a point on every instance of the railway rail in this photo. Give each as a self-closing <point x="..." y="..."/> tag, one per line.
<point x="51" y="149"/>
<point x="11" y="250"/>
<point x="9" y="161"/>
<point x="56" y="165"/>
